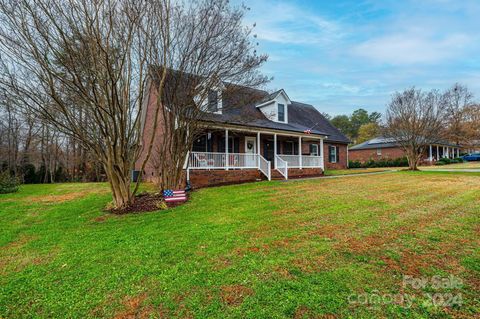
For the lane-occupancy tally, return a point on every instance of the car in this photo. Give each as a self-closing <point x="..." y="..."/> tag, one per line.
<point x="472" y="157"/>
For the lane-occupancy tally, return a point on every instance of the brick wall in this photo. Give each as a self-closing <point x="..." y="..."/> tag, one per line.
<point x="304" y="172"/>
<point x="342" y="163"/>
<point x="366" y="155"/>
<point x="205" y="178"/>
<point x="148" y="130"/>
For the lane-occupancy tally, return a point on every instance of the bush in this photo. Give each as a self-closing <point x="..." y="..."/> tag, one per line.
<point x="445" y="160"/>
<point x="8" y="183"/>
<point x="397" y="162"/>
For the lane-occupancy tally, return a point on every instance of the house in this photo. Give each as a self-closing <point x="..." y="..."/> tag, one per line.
<point x="387" y="148"/>
<point x="251" y="134"/>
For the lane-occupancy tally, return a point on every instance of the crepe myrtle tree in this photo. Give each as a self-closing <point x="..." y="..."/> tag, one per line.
<point x="211" y="54"/>
<point x="415" y="119"/>
<point x="81" y="66"/>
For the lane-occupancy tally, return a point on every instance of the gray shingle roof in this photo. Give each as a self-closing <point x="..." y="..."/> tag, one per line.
<point x="301" y="116"/>
<point x="239" y="107"/>
<point x="384" y="142"/>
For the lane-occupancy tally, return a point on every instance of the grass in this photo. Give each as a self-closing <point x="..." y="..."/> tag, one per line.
<point x="353" y="171"/>
<point x="272" y="249"/>
<point x="466" y="165"/>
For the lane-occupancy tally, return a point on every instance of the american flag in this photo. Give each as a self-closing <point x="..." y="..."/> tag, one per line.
<point x="174" y="195"/>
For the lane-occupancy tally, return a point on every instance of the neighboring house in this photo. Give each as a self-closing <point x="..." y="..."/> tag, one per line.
<point x="272" y="137"/>
<point x="386" y="148"/>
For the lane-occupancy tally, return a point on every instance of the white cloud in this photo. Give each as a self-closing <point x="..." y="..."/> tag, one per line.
<point x="412" y="48"/>
<point x="284" y="23"/>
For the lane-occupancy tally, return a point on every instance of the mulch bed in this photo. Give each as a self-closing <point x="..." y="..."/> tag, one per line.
<point x="145" y="203"/>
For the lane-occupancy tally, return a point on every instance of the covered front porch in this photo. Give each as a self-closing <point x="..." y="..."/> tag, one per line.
<point x="437" y="152"/>
<point x="269" y="152"/>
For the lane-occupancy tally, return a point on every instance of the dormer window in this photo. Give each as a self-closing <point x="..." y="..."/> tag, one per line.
<point x="212" y="101"/>
<point x="281" y="112"/>
<point x="275" y="106"/>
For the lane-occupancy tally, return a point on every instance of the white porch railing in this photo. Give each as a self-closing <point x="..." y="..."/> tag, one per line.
<point x="307" y="160"/>
<point x="281" y="166"/>
<point x="312" y="161"/>
<point x="264" y="167"/>
<point x="210" y="160"/>
<point x="292" y="160"/>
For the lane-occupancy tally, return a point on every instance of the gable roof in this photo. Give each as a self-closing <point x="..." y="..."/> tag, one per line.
<point x="386" y="142"/>
<point x="301" y="116"/>
<point x="239" y="108"/>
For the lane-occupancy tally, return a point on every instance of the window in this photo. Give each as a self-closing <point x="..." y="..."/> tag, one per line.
<point x="314" y="149"/>
<point x="233" y="144"/>
<point x="200" y="144"/>
<point x="288" y="148"/>
<point x="281" y="113"/>
<point x="379" y="152"/>
<point x="212" y="101"/>
<point x="332" y="154"/>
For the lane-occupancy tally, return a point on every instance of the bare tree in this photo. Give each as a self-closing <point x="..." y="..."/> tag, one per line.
<point x="471" y="126"/>
<point x="458" y="101"/>
<point x="209" y="52"/>
<point x="415" y="119"/>
<point x="81" y="66"/>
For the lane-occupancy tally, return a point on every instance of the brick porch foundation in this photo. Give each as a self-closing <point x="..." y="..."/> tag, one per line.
<point x="207" y="178"/>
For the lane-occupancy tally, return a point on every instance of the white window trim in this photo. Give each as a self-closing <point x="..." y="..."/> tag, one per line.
<point x="334" y="152"/>
<point x="379" y="152"/>
<point x="316" y="150"/>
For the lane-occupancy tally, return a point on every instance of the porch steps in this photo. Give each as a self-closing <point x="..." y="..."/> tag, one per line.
<point x="275" y="175"/>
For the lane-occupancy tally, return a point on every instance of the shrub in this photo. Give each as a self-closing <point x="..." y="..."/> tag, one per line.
<point x="397" y="162"/>
<point x="8" y="183"/>
<point x="354" y="164"/>
<point x="445" y="160"/>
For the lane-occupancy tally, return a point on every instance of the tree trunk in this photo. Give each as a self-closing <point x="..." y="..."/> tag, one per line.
<point x="120" y="186"/>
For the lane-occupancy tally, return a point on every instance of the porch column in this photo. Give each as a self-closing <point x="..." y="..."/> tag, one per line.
<point x="226" y="149"/>
<point x="321" y="154"/>
<point x="431" y="154"/>
<point x="438" y="153"/>
<point x="275" y="149"/>
<point x="258" y="149"/>
<point x="458" y="152"/>
<point x="300" y="161"/>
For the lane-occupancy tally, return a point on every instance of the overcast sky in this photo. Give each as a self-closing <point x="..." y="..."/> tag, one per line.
<point x="342" y="55"/>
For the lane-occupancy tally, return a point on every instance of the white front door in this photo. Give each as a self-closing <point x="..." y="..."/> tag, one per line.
<point x="250" y="151"/>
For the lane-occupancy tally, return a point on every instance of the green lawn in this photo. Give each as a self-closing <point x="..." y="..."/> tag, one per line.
<point x="273" y="249"/>
<point x="353" y="171"/>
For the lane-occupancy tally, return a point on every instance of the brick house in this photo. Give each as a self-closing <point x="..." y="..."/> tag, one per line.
<point x="385" y="148"/>
<point x="272" y="137"/>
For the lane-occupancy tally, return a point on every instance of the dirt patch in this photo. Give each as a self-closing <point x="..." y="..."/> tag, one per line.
<point x="235" y="294"/>
<point x="48" y="199"/>
<point x="143" y="203"/>
<point x="101" y="219"/>
<point x="134" y="308"/>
